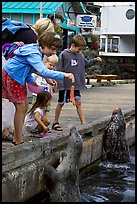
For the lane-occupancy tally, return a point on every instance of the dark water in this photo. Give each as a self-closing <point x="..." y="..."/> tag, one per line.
<point x="108" y="182"/>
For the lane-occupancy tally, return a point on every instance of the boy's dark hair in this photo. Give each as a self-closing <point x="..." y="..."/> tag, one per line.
<point x="50" y="40"/>
<point x="41" y="100"/>
<point x="78" y="41"/>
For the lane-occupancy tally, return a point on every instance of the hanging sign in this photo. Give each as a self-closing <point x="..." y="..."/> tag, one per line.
<point x="70" y="22"/>
<point x="86" y="21"/>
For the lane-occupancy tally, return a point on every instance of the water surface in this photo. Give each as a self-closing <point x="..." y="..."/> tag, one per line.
<point x="109" y="182"/>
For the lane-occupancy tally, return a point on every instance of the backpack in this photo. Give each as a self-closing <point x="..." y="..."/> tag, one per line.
<point x="9" y="29"/>
<point x="8" y="49"/>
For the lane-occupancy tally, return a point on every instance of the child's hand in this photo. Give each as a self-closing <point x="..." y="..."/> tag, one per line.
<point x="45" y="128"/>
<point x="99" y="59"/>
<point x="70" y="76"/>
<point x="50" y="81"/>
<point x="55" y="85"/>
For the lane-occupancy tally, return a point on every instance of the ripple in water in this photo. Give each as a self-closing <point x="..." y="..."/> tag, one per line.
<point x="108" y="182"/>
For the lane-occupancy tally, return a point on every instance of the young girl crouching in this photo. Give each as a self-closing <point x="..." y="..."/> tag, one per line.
<point x="36" y="118"/>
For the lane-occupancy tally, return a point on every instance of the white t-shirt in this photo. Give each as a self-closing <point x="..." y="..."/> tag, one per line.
<point x="30" y="122"/>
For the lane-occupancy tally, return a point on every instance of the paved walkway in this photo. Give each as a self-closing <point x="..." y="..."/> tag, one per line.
<point x="97" y="102"/>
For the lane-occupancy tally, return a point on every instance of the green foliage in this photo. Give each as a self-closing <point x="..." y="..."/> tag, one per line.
<point x="92" y="41"/>
<point x="58" y="29"/>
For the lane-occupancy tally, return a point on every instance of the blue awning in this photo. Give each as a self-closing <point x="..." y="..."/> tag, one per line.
<point x="30" y="7"/>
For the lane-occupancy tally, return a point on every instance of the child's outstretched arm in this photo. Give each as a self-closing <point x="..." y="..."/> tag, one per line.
<point x="39" y="66"/>
<point x="67" y="75"/>
<point x="70" y="76"/>
<point x="89" y="63"/>
<point x="49" y="81"/>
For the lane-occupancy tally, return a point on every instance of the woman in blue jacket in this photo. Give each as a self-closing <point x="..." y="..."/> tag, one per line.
<point x="17" y="72"/>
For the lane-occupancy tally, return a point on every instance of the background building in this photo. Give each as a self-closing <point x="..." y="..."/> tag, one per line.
<point x="113" y="33"/>
<point x="30" y="12"/>
<point x="117" y="28"/>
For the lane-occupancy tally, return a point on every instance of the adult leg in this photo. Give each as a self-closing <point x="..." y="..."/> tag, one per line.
<point x="20" y="111"/>
<point x="80" y="111"/>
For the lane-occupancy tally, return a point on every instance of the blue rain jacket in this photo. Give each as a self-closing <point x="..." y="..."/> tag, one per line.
<point x="27" y="60"/>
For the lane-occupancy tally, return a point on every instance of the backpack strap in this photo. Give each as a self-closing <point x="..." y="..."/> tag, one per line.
<point x="5" y="47"/>
<point x="10" y="50"/>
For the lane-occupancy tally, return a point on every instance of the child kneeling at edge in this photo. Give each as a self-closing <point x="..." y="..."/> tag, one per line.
<point x="18" y="71"/>
<point x="36" y="118"/>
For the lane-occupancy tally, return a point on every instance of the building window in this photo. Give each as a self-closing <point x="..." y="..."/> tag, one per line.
<point x="130" y="14"/>
<point x="15" y="17"/>
<point x="5" y="15"/>
<point x="28" y="19"/>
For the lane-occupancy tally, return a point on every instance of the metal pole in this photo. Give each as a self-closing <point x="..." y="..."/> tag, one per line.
<point x="41" y="15"/>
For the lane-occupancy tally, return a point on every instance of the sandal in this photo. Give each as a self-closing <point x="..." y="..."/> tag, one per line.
<point x="15" y="144"/>
<point x="57" y="127"/>
<point x="35" y="131"/>
<point x="9" y="137"/>
<point x="39" y="133"/>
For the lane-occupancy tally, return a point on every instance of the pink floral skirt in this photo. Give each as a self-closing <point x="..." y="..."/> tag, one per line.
<point x="12" y="90"/>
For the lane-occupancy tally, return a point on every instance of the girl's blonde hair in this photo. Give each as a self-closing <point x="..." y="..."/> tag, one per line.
<point x="43" y="25"/>
<point x="53" y="59"/>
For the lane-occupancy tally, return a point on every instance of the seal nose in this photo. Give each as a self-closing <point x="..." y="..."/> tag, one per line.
<point x="115" y="110"/>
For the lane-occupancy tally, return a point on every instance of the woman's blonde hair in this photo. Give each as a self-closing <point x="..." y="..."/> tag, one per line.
<point x="53" y="59"/>
<point x="43" y="25"/>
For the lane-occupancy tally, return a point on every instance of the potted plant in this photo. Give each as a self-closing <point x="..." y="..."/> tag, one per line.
<point x="92" y="41"/>
<point x="56" y="19"/>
